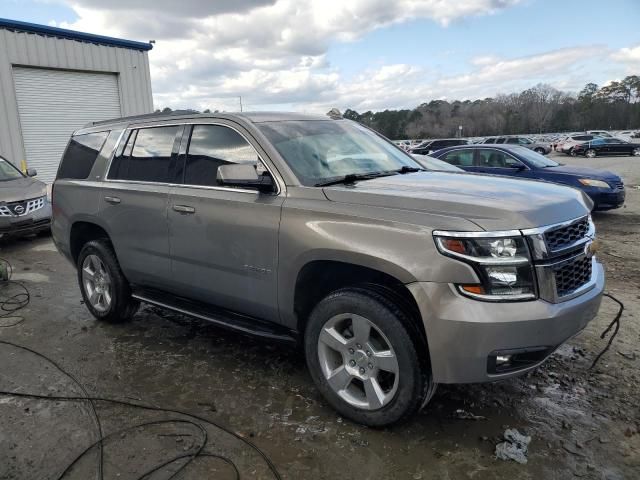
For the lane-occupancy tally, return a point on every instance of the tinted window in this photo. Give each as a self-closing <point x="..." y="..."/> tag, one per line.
<point x="490" y="140"/>
<point x="146" y="156"/>
<point x="81" y="154"/>
<point x="496" y="159"/>
<point x="459" y="158"/>
<point x="500" y="140"/>
<point x="513" y="140"/>
<point x="212" y="146"/>
<point x="582" y="137"/>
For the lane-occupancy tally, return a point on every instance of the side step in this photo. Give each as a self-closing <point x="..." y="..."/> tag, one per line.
<point x="219" y="316"/>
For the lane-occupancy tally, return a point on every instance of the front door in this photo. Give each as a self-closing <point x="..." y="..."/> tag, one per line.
<point x="223" y="240"/>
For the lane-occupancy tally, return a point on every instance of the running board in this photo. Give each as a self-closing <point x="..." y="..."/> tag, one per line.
<point x="219" y="316"/>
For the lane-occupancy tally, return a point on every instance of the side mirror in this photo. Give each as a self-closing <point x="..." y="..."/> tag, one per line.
<point x="244" y="175"/>
<point x="31" y="172"/>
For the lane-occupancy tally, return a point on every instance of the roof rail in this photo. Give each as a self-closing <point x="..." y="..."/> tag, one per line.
<point x="143" y="116"/>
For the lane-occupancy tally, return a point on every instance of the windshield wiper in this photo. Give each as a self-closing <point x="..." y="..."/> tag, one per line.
<point x="355" y="177"/>
<point x="407" y="169"/>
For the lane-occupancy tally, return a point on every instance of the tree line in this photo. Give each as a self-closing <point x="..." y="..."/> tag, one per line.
<point x="540" y="109"/>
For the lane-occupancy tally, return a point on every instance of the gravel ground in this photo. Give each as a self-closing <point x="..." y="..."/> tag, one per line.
<point x="582" y="423"/>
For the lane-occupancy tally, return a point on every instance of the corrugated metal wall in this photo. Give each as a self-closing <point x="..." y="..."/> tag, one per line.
<point x="29" y="49"/>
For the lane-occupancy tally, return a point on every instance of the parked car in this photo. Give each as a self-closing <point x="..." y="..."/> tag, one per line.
<point x="24" y="207"/>
<point x="318" y="231"/>
<point x="606" y="146"/>
<point x="539" y="147"/>
<point x="430" y="146"/>
<point x="431" y="163"/>
<point x="605" y="188"/>
<point x="566" y="146"/>
<point x="600" y="133"/>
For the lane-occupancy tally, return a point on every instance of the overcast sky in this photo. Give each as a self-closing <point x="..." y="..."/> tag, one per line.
<point x="310" y="55"/>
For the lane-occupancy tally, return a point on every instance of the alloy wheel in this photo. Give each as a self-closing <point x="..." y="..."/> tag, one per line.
<point x="636" y="152"/>
<point x="358" y="361"/>
<point x="590" y="153"/>
<point x="97" y="283"/>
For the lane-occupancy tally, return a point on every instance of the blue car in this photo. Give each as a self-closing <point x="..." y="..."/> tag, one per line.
<point x="605" y="188"/>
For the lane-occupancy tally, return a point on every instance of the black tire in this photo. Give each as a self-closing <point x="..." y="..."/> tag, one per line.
<point x="539" y="150"/>
<point x="587" y="155"/>
<point x="122" y="306"/>
<point x="415" y="384"/>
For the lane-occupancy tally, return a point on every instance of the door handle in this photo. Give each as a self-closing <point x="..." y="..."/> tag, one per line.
<point x="184" y="209"/>
<point x="112" y="200"/>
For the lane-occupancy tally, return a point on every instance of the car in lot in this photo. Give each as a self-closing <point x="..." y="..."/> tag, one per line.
<point x="566" y="145"/>
<point x="24" y="206"/>
<point x="542" y="148"/>
<point x="606" y="146"/>
<point x="430" y="146"/>
<point x="319" y="232"/>
<point x="606" y="189"/>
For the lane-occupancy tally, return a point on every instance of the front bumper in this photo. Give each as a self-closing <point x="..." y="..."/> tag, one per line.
<point x="607" y="200"/>
<point x="462" y="333"/>
<point x="34" y="222"/>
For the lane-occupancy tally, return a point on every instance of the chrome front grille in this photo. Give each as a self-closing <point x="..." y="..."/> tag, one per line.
<point x="567" y="235"/>
<point x="19" y="209"/>
<point x="573" y="275"/>
<point x="562" y="258"/>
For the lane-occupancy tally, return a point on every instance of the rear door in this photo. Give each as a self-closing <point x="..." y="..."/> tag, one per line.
<point x="224" y="240"/>
<point x="461" y="158"/>
<point x="134" y="202"/>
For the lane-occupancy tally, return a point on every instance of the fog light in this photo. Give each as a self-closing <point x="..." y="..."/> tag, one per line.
<point x="502" y="360"/>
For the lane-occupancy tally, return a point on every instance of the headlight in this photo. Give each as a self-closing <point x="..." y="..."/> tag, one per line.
<point x="594" y="183"/>
<point x="502" y="263"/>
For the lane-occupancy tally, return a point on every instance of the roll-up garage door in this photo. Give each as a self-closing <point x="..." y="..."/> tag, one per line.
<point x="54" y="103"/>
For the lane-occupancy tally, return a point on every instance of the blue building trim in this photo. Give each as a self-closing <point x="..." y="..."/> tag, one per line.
<point x="72" y="35"/>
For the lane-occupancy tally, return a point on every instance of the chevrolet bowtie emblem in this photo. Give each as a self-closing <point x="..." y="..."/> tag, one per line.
<point x="591" y="248"/>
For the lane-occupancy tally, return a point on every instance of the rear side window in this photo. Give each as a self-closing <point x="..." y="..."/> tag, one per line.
<point x="146" y="156"/>
<point x="81" y="154"/>
<point x="212" y="146"/>
<point x="459" y="158"/>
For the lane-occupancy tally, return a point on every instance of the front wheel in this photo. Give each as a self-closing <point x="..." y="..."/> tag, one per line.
<point x="636" y="152"/>
<point x="104" y="288"/>
<point x="590" y="153"/>
<point x="363" y="359"/>
<point x="539" y="150"/>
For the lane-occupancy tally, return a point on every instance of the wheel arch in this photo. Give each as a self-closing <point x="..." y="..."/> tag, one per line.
<point x="318" y="278"/>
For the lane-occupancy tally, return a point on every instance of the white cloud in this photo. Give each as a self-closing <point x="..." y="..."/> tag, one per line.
<point x="629" y="56"/>
<point x="274" y="52"/>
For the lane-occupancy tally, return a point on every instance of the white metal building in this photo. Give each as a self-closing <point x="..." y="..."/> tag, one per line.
<point x="53" y="81"/>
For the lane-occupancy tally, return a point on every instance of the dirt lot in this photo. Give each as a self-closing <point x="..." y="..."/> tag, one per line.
<point x="583" y="423"/>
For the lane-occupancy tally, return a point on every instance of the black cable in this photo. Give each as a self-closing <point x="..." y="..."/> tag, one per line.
<point x="616" y="322"/>
<point x="10" y="305"/>
<point x="100" y="440"/>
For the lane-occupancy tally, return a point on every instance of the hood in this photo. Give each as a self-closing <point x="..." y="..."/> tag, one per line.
<point x="583" y="172"/>
<point x="21" y="189"/>
<point x="493" y="203"/>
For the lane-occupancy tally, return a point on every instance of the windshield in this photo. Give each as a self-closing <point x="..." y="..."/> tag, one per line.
<point x="321" y="150"/>
<point x="536" y="159"/>
<point x="8" y="171"/>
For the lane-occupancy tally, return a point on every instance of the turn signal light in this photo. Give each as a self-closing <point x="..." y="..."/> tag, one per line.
<point x="477" y="289"/>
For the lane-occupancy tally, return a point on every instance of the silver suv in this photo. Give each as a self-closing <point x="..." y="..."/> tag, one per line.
<point x="320" y="232"/>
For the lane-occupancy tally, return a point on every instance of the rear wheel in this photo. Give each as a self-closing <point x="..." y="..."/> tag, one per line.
<point x="636" y="152"/>
<point x="104" y="288"/>
<point x="590" y="153"/>
<point x="364" y="360"/>
<point x="539" y="150"/>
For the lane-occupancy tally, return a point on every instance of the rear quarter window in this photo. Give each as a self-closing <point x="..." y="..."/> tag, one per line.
<point x="80" y="155"/>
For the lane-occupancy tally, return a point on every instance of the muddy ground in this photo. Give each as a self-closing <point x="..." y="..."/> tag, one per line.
<point x="583" y="423"/>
